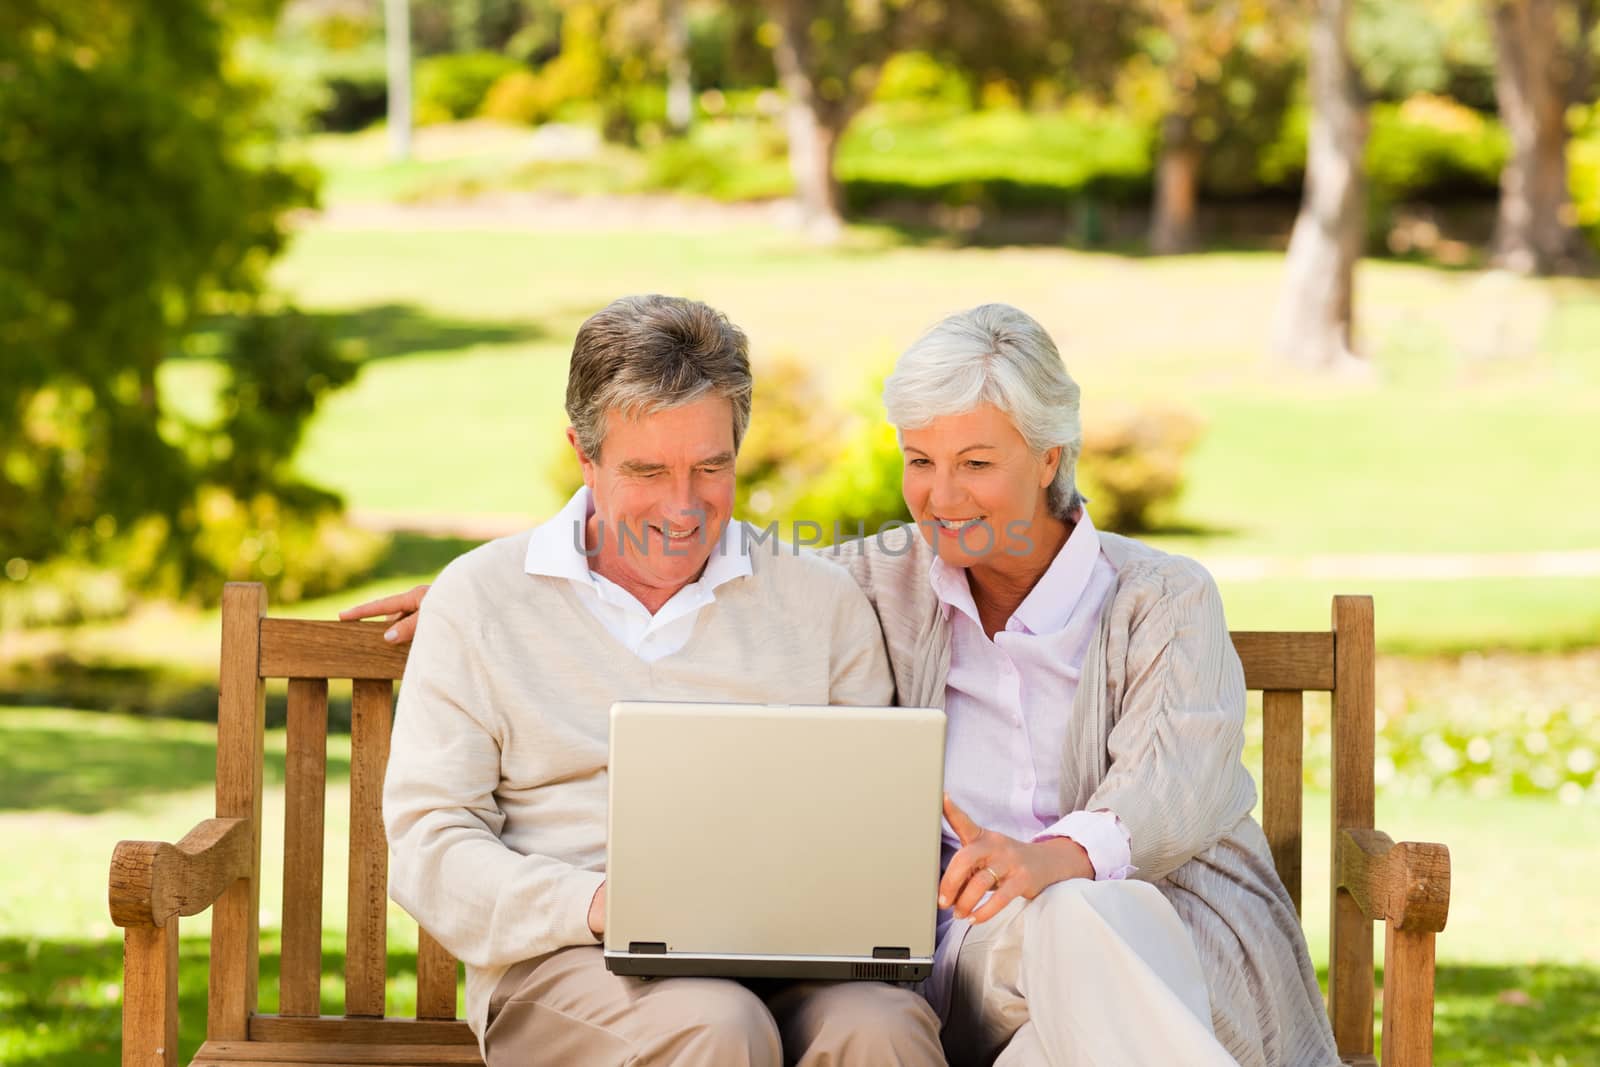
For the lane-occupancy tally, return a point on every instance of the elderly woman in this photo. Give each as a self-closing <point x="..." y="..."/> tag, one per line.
<point x="1110" y="898"/>
<point x="1106" y="896"/>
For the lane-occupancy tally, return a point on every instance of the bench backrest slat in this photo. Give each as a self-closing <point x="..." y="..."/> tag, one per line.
<point x="1350" y="986"/>
<point x="1283" y="782"/>
<point x="1283" y="665"/>
<point x="366" y="931"/>
<point x="305" y="790"/>
<point x="436" y="979"/>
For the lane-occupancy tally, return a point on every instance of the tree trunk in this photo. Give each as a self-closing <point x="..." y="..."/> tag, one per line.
<point x="397" y="43"/>
<point x="1314" y="326"/>
<point x="1177" y="187"/>
<point x="680" y="80"/>
<point x="1534" y="232"/>
<point x="814" y="126"/>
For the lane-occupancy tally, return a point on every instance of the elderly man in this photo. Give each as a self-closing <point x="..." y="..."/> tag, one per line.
<point x="640" y="588"/>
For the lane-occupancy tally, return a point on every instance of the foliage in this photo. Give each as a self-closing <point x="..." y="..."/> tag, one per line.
<point x="1131" y="467"/>
<point x="1423" y="147"/>
<point x="729" y="159"/>
<point x="517" y="96"/>
<point x="994" y="158"/>
<point x="134" y="200"/>
<point x="1583" y="160"/>
<point x="919" y="79"/>
<point x="453" y="86"/>
<point x="1429" y="145"/>
<point x="1406" y="47"/>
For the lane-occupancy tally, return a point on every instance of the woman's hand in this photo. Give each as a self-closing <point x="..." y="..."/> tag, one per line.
<point x="992" y="861"/>
<point x="400" y="609"/>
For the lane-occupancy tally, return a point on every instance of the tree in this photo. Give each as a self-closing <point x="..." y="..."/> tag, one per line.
<point x="133" y="208"/>
<point x="1315" y="319"/>
<point x="397" y="46"/>
<point x="1534" y="231"/>
<point x="1215" y="58"/>
<point x="829" y="55"/>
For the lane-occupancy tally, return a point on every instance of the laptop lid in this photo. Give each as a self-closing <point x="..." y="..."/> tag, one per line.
<point x="801" y="836"/>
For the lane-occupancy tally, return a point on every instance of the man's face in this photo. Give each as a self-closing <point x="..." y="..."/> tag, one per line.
<point x="663" y="491"/>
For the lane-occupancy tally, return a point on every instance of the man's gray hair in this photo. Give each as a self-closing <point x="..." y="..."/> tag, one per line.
<point x="643" y="354"/>
<point x="994" y="354"/>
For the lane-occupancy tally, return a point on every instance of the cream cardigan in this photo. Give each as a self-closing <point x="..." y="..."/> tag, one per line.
<point x="1155" y="735"/>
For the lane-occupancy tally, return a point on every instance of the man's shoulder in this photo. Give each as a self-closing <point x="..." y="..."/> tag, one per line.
<point x="482" y="574"/>
<point x="782" y="566"/>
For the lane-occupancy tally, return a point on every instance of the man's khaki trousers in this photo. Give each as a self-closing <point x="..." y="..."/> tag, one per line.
<point x="566" y="1008"/>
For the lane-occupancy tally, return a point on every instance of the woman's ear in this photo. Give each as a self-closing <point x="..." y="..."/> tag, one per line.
<point x="1052" y="463"/>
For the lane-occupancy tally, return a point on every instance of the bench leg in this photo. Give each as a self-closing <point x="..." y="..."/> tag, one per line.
<point x="1407" y="997"/>
<point x="150" y="995"/>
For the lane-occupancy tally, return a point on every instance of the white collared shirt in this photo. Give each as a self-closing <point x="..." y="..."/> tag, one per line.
<point x="1007" y="705"/>
<point x="556" y="550"/>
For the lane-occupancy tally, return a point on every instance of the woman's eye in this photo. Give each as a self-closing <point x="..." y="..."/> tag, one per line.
<point x="977" y="464"/>
<point x="919" y="462"/>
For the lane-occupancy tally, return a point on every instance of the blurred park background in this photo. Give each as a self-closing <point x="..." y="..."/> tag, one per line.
<point x="287" y="291"/>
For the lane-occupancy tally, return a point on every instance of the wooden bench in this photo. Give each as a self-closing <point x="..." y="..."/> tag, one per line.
<point x="218" y="865"/>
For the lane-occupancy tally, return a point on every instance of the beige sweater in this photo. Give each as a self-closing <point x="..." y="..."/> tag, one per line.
<point x="1155" y="735"/>
<point x="495" y="798"/>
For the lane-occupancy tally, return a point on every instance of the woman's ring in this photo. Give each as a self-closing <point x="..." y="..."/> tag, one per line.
<point x="993" y="874"/>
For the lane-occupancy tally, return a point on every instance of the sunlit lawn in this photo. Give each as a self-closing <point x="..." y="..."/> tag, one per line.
<point x="1477" y="437"/>
<point x="1519" y="979"/>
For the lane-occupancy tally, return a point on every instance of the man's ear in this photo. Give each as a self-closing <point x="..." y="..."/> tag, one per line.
<point x="585" y="464"/>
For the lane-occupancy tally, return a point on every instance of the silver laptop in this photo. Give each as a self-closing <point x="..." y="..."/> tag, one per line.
<point x="769" y="840"/>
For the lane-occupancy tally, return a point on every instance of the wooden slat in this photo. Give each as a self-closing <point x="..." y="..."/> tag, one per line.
<point x="366" y="942"/>
<point x="1350" y="971"/>
<point x="241" y="718"/>
<point x="150" y="996"/>
<point x="319" y="1054"/>
<point x="436" y="979"/>
<point x="305" y="783"/>
<point x="1283" y="783"/>
<point x="338" y="1030"/>
<point x="1286" y="660"/>
<point x="305" y="648"/>
<point x="1407" y="997"/>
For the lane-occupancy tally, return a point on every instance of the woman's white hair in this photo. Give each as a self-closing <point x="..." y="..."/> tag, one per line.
<point x="994" y="354"/>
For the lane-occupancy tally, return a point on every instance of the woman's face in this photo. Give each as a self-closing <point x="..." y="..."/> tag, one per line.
<point x="974" y="486"/>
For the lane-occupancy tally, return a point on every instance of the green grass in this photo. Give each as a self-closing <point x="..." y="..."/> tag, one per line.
<point x="1519" y="971"/>
<point x="1453" y="449"/>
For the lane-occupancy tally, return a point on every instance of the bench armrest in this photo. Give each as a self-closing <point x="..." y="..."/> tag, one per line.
<point x="1406" y="885"/>
<point x="151" y="881"/>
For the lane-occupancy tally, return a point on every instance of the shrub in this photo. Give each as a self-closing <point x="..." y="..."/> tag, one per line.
<point x="1433" y="145"/>
<point x="1132" y="463"/>
<point x="1425" y="146"/>
<point x="1583" y="167"/>
<point x="456" y="84"/>
<point x="919" y="80"/>
<point x="518" y="96"/>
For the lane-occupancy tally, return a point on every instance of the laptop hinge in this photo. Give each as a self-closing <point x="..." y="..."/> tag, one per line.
<point x="647" y="948"/>
<point x="882" y="953"/>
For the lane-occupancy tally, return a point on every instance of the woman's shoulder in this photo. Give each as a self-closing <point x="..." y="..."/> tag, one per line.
<point x="1148" y="577"/>
<point x="892" y="562"/>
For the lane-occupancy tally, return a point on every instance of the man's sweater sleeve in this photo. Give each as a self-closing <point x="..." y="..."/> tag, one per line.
<point x="489" y="905"/>
<point x="858" y="666"/>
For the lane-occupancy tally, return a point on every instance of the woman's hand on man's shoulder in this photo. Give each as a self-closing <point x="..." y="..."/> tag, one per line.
<point x="400" y="610"/>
